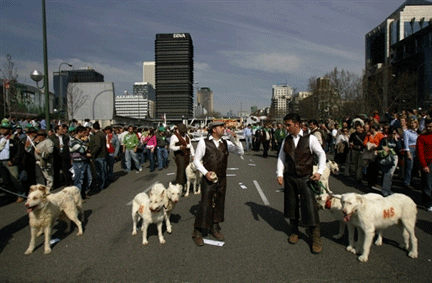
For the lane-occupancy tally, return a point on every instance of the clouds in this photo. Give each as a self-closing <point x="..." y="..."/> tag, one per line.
<point x="241" y="48"/>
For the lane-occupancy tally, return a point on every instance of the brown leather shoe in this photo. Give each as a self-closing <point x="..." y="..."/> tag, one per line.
<point x="316" y="240"/>
<point x="197" y="238"/>
<point x="217" y="234"/>
<point x="293" y="239"/>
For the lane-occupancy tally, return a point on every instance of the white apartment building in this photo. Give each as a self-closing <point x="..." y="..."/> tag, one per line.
<point x="140" y="105"/>
<point x="282" y="95"/>
<point x="149" y="72"/>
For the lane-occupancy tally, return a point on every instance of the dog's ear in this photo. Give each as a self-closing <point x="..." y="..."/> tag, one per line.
<point x="359" y="200"/>
<point x="33" y="188"/>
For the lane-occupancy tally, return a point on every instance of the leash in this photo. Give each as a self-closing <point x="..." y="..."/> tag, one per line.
<point x="318" y="191"/>
<point x="21" y="196"/>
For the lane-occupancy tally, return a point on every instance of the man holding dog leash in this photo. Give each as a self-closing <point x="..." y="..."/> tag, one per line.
<point x="211" y="159"/>
<point x="294" y="170"/>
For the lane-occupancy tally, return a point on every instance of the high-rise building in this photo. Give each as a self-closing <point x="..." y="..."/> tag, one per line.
<point x="174" y="75"/>
<point x="61" y="81"/>
<point x="149" y="72"/>
<point x="401" y="43"/>
<point x="205" y="98"/>
<point x="282" y="95"/>
<point x="139" y="105"/>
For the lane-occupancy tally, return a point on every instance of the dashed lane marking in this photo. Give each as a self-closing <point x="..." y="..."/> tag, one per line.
<point x="242" y="186"/>
<point x="261" y="193"/>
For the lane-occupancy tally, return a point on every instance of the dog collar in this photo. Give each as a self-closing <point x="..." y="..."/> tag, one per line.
<point x="328" y="202"/>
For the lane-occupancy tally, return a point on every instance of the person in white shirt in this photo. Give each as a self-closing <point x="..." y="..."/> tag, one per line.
<point x="294" y="170"/>
<point x="180" y="144"/>
<point x="211" y="160"/>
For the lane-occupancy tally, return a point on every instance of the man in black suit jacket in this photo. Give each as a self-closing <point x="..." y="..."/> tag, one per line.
<point x="62" y="160"/>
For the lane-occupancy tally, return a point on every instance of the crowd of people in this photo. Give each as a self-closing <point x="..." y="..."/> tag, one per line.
<point x="366" y="146"/>
<point x="84" y="154"/>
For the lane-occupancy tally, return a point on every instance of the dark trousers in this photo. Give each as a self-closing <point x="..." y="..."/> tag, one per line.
<point x="295" y="186"/>
<point x="427" y="187"/>
<point x="182" y="161"/>
<point x="266" y="146"/>
<point x="212" y="205"/>
<point x="372" y="173"/>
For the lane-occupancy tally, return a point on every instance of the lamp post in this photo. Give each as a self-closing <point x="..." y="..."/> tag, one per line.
<point x="38" y="76"/>
<point x="61" y="99"/>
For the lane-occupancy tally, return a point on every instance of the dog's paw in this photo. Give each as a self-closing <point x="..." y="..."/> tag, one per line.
<point x="363" y="258"/>
<point x="378" y="241"/>
<point x="169" y="229"/>
<point x="186" y="195"/>
<point x="413" y="254"/>
<point x="338" y="236"/>
<point x="404" y="246"/>
<point x="162" y="241"/>
<point x="79" y="233"/>
<point x="351" y="249"/>
<point x="134" y="233"/>
<point x="47" y="251"/>
<point x="145" y="243"/>
<point x="27" y="252"/>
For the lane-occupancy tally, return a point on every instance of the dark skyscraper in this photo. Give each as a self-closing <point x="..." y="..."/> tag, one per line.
<point x="174" y="75"/>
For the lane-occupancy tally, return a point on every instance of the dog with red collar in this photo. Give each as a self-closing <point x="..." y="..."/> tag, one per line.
<point x="332" y="203"/>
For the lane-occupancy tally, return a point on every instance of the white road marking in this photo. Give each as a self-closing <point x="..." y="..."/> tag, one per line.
<point x="232" y="169"/>
<point x="145" y="191"/>
<point x="213" y="242"/>
<point x="242" y="186"/>
<point x="230" y="175"/>
<point x="170" y="174"/>
<point x="252" y="164"/>
<point x="261" y="193"/>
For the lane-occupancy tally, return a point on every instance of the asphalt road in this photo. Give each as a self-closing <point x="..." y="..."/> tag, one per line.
<point x="255" y="250"/>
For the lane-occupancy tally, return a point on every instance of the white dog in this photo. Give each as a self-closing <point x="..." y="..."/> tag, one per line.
<point x="151" y="209"/>
<point x="331" y="167"/>
<point x="193" y="175"/>
<point x="332" y="203"/>
<point x="372" y="215"/>
<point x="76" y="194"/>
<point x="44" y="208"/>
<point x="172" y="196"/>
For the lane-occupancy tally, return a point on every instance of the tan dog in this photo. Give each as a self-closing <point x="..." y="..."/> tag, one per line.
<point x="44" y="208"/>
<point x="331" y="167"/>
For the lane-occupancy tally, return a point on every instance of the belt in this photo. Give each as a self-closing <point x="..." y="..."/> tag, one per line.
<point x="412" y="145"/>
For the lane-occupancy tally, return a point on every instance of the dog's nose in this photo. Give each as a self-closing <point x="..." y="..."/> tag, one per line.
<point x="26" y="205"/>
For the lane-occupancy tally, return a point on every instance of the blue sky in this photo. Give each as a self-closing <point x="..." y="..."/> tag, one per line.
<point x="241" y="48"/>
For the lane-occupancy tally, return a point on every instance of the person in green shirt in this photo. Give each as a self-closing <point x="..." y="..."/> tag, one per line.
<point x="279" y="136"/>
<point x="130" y="146"/>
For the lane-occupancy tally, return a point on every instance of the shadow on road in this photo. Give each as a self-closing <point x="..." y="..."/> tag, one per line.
<point x="7" y="232"/>
<point x="424" y="225"/>
<point x="273" y="217"/>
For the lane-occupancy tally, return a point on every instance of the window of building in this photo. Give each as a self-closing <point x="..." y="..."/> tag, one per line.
<point x="408" y="29"/>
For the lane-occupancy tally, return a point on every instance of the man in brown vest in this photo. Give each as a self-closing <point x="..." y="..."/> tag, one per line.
<point x="181" y="145"/>
<point x="294" y="169"/>
<point x="211" y="160"/>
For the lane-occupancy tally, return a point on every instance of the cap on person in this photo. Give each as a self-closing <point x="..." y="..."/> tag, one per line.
<point x="182" y="127"/>
<point x="6" y="125"/>
<point x="30" y="130"/>
<point x="215" y="124"/>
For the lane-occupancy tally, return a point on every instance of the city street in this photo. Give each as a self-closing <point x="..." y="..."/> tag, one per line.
<point x="255" y="250"/>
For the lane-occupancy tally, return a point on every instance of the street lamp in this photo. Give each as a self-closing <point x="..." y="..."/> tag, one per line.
<point x="61" y="99"/>
<point x="38" y="76"/>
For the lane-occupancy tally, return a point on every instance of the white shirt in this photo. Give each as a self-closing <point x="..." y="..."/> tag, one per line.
<point x="121" y="137"/>
<point x="174" y="139"/>
<point x="234" y="147"/>
<point x="314" y="146"/>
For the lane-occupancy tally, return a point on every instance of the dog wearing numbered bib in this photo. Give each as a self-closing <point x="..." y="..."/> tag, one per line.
<point x="370" y="215"/>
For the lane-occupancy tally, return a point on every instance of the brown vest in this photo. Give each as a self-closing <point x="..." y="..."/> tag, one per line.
<point x="216" y="159"/>
<point x="184" y="142"/>
<point x="298" y="160"/>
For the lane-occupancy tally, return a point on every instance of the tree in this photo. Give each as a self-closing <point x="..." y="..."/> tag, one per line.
<point x="9" y="72"/>
<point x="75" y="99"/>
